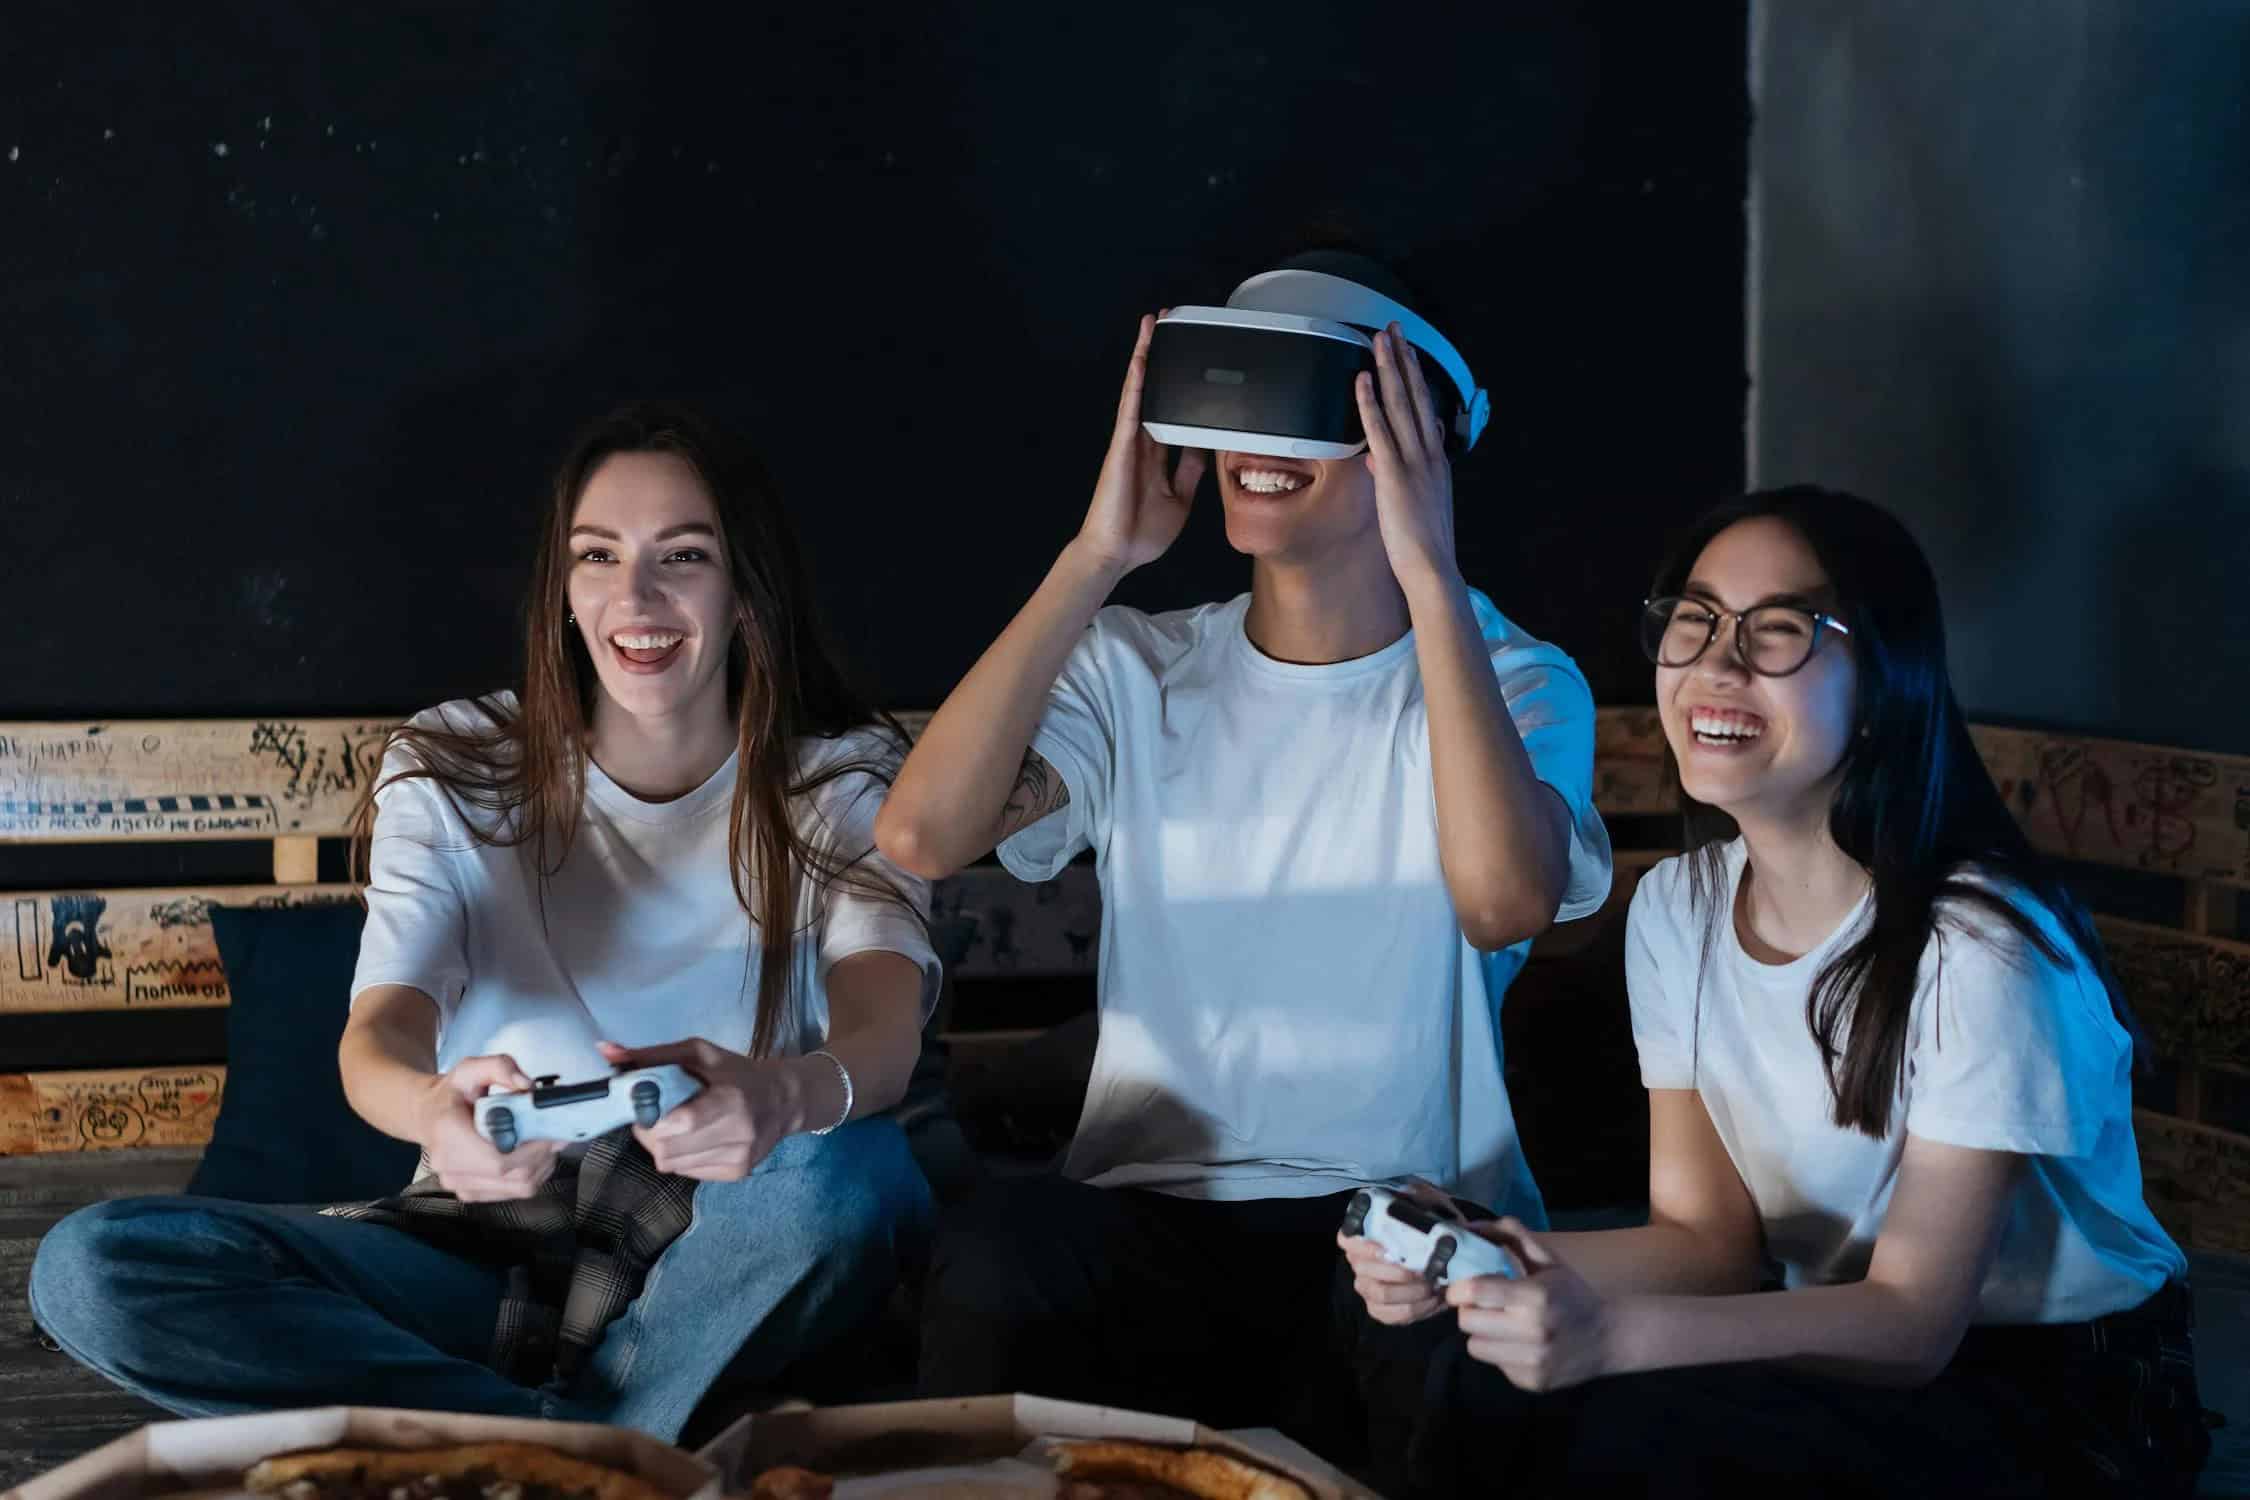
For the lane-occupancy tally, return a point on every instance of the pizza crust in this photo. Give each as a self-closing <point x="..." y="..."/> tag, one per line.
<point x="522" y="1463"/>
<point x="791" y="1483"/>
<point x="1201" y="1472"/>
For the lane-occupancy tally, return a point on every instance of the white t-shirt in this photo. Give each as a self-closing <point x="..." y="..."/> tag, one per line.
<point x="2008" y="1052"/>
<point x="643" y="939"/>
<point x="1288" y="1007"/>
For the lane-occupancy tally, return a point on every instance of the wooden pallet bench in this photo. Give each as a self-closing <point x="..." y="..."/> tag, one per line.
<point x="2178" y="817"/>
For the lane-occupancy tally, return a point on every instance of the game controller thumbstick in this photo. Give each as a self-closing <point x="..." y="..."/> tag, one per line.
<point x="1441" y="1256"/>
<point x="1355" y="1215"/>
<point x="648" y="1103"/>
<point x="501" y="1123"/>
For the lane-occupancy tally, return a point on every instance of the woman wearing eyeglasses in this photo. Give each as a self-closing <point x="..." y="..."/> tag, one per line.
<point x="1889" y="1080"/>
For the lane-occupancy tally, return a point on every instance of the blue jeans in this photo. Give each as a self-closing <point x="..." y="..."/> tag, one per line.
<point x="208" y="1307"/>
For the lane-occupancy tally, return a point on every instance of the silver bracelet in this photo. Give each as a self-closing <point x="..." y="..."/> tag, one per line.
<point x="843" y="1073"/>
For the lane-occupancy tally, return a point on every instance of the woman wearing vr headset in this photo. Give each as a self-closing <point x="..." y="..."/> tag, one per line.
<point x="663" y="839"/>
<point x="1885" y="1057"/>
<point x="1327" y="816"/>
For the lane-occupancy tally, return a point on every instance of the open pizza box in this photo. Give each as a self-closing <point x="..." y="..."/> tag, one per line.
<point x="983" y="1445"/>
<point x="212" y="1453"/>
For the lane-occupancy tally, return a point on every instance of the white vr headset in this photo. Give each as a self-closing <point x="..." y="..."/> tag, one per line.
<point x="1272" y="371"/>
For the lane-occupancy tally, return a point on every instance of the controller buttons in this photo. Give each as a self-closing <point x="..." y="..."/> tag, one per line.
<point x="1355" y="1215"/>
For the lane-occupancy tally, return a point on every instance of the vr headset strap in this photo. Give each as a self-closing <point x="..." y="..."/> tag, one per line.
<point x="1316" y="294"/>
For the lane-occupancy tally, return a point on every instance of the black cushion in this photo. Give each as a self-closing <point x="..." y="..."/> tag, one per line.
<point x="284" y="1132"/>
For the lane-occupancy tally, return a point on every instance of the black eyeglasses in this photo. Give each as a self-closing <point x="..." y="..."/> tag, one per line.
<point x="1772" y="640"/>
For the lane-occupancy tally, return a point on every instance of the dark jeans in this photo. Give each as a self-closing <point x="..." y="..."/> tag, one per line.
<point x="2101" y="1408"/>
<point x="1215" y="1311"/>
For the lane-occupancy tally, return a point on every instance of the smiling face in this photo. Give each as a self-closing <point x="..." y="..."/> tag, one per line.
<point x="649" y="584"/>
<point x="1296" y="509"/>
<point x="1768" y="746"/>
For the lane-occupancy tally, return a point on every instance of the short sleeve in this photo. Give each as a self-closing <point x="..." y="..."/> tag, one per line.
<point x="1553" y="711"/>
<point x="1076" y="736"/>
<point x="2010" y="1050"/>
<point x="417" y="923"/>
<point x="1661" y="972"/>
<point x="859" y="912"/>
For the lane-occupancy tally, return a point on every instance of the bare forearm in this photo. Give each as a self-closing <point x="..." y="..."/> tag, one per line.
<point x="1863" y="1331"/>
<point x="880" y="1057"/>
<point x="1657" y="1259"/>
<point x="1503" y="837"/>
<point x="387" y="1069"/>
<point x="946" y="807"/>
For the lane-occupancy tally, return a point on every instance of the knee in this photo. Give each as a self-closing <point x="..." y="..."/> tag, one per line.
<point x="878" y="1192"/>
<point x="88" y="1267"/>
<point x="859" y="1188"/>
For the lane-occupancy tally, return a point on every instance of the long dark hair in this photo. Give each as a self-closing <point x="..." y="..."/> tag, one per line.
<point x="1915" y="806"/>
<point x="783" y="682"/>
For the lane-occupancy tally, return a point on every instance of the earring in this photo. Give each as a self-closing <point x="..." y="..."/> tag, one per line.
<point x="569" y="618"/>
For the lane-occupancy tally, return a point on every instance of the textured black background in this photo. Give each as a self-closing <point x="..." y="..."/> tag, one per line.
<point x="298" y="305"/>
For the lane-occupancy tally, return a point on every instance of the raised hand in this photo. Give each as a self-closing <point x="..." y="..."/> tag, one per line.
<point x="1137" y="511"/>
<point x="1406" y="454"/>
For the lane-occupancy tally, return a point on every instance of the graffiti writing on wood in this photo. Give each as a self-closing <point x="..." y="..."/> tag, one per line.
<point x="316" y="769"/>
<point x="2151" y="818"/>
<point x="78" y="948"/>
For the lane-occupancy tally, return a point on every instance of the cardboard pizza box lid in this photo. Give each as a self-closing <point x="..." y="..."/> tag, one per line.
<point x="923" y="1434"/>
<point x="212" y="1452"/>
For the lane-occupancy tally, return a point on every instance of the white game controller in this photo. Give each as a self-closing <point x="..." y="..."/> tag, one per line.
<point x="1421" y="1238"/>
<point x="557" y="1111"/>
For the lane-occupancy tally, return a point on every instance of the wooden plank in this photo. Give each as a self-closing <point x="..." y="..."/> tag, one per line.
<point x="1630" y="776"/>
<point x="183" y="779"/>
<point x="19" y="1110"/>
<point x="2138" y="807"/>
<point x="126" y="949"/>
<point x="296" y="860"/>
<point x="2197" y="1180"/>
<point x="1632" y="772"/>
<point x="2192" y="993"/>
<point x="110" y="1109"/>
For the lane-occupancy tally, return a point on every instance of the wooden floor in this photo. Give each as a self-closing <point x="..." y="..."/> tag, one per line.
<point x="51" y="1408"/>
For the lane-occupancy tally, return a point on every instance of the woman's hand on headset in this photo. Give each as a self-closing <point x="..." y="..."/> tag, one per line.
<point x="1138" y="509"/>
<point x="1406" y="453"/>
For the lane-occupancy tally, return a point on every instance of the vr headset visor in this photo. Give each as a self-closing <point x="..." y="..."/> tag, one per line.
<point x="1272" y="371"/>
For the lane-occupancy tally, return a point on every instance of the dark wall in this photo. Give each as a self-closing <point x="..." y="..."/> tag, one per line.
<point x="2002" y="287"/>
<point x="297" y="309"/>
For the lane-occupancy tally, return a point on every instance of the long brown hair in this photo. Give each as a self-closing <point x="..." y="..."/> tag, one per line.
<point x="526" y="773"/>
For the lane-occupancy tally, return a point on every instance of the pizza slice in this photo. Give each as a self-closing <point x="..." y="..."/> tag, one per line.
<point x="1201" y="1472"/>
<point x="473" y="1471"/>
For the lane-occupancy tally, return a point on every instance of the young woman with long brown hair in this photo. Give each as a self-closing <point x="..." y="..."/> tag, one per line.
<point x="659" y="850"/>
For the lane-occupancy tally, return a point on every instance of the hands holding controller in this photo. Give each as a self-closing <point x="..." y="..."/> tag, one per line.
<point x="744" y="1109"/>
<point x="1544" y="1329"/>
<point x="735" y="1109"/>
<point x="468" y="1165"/>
